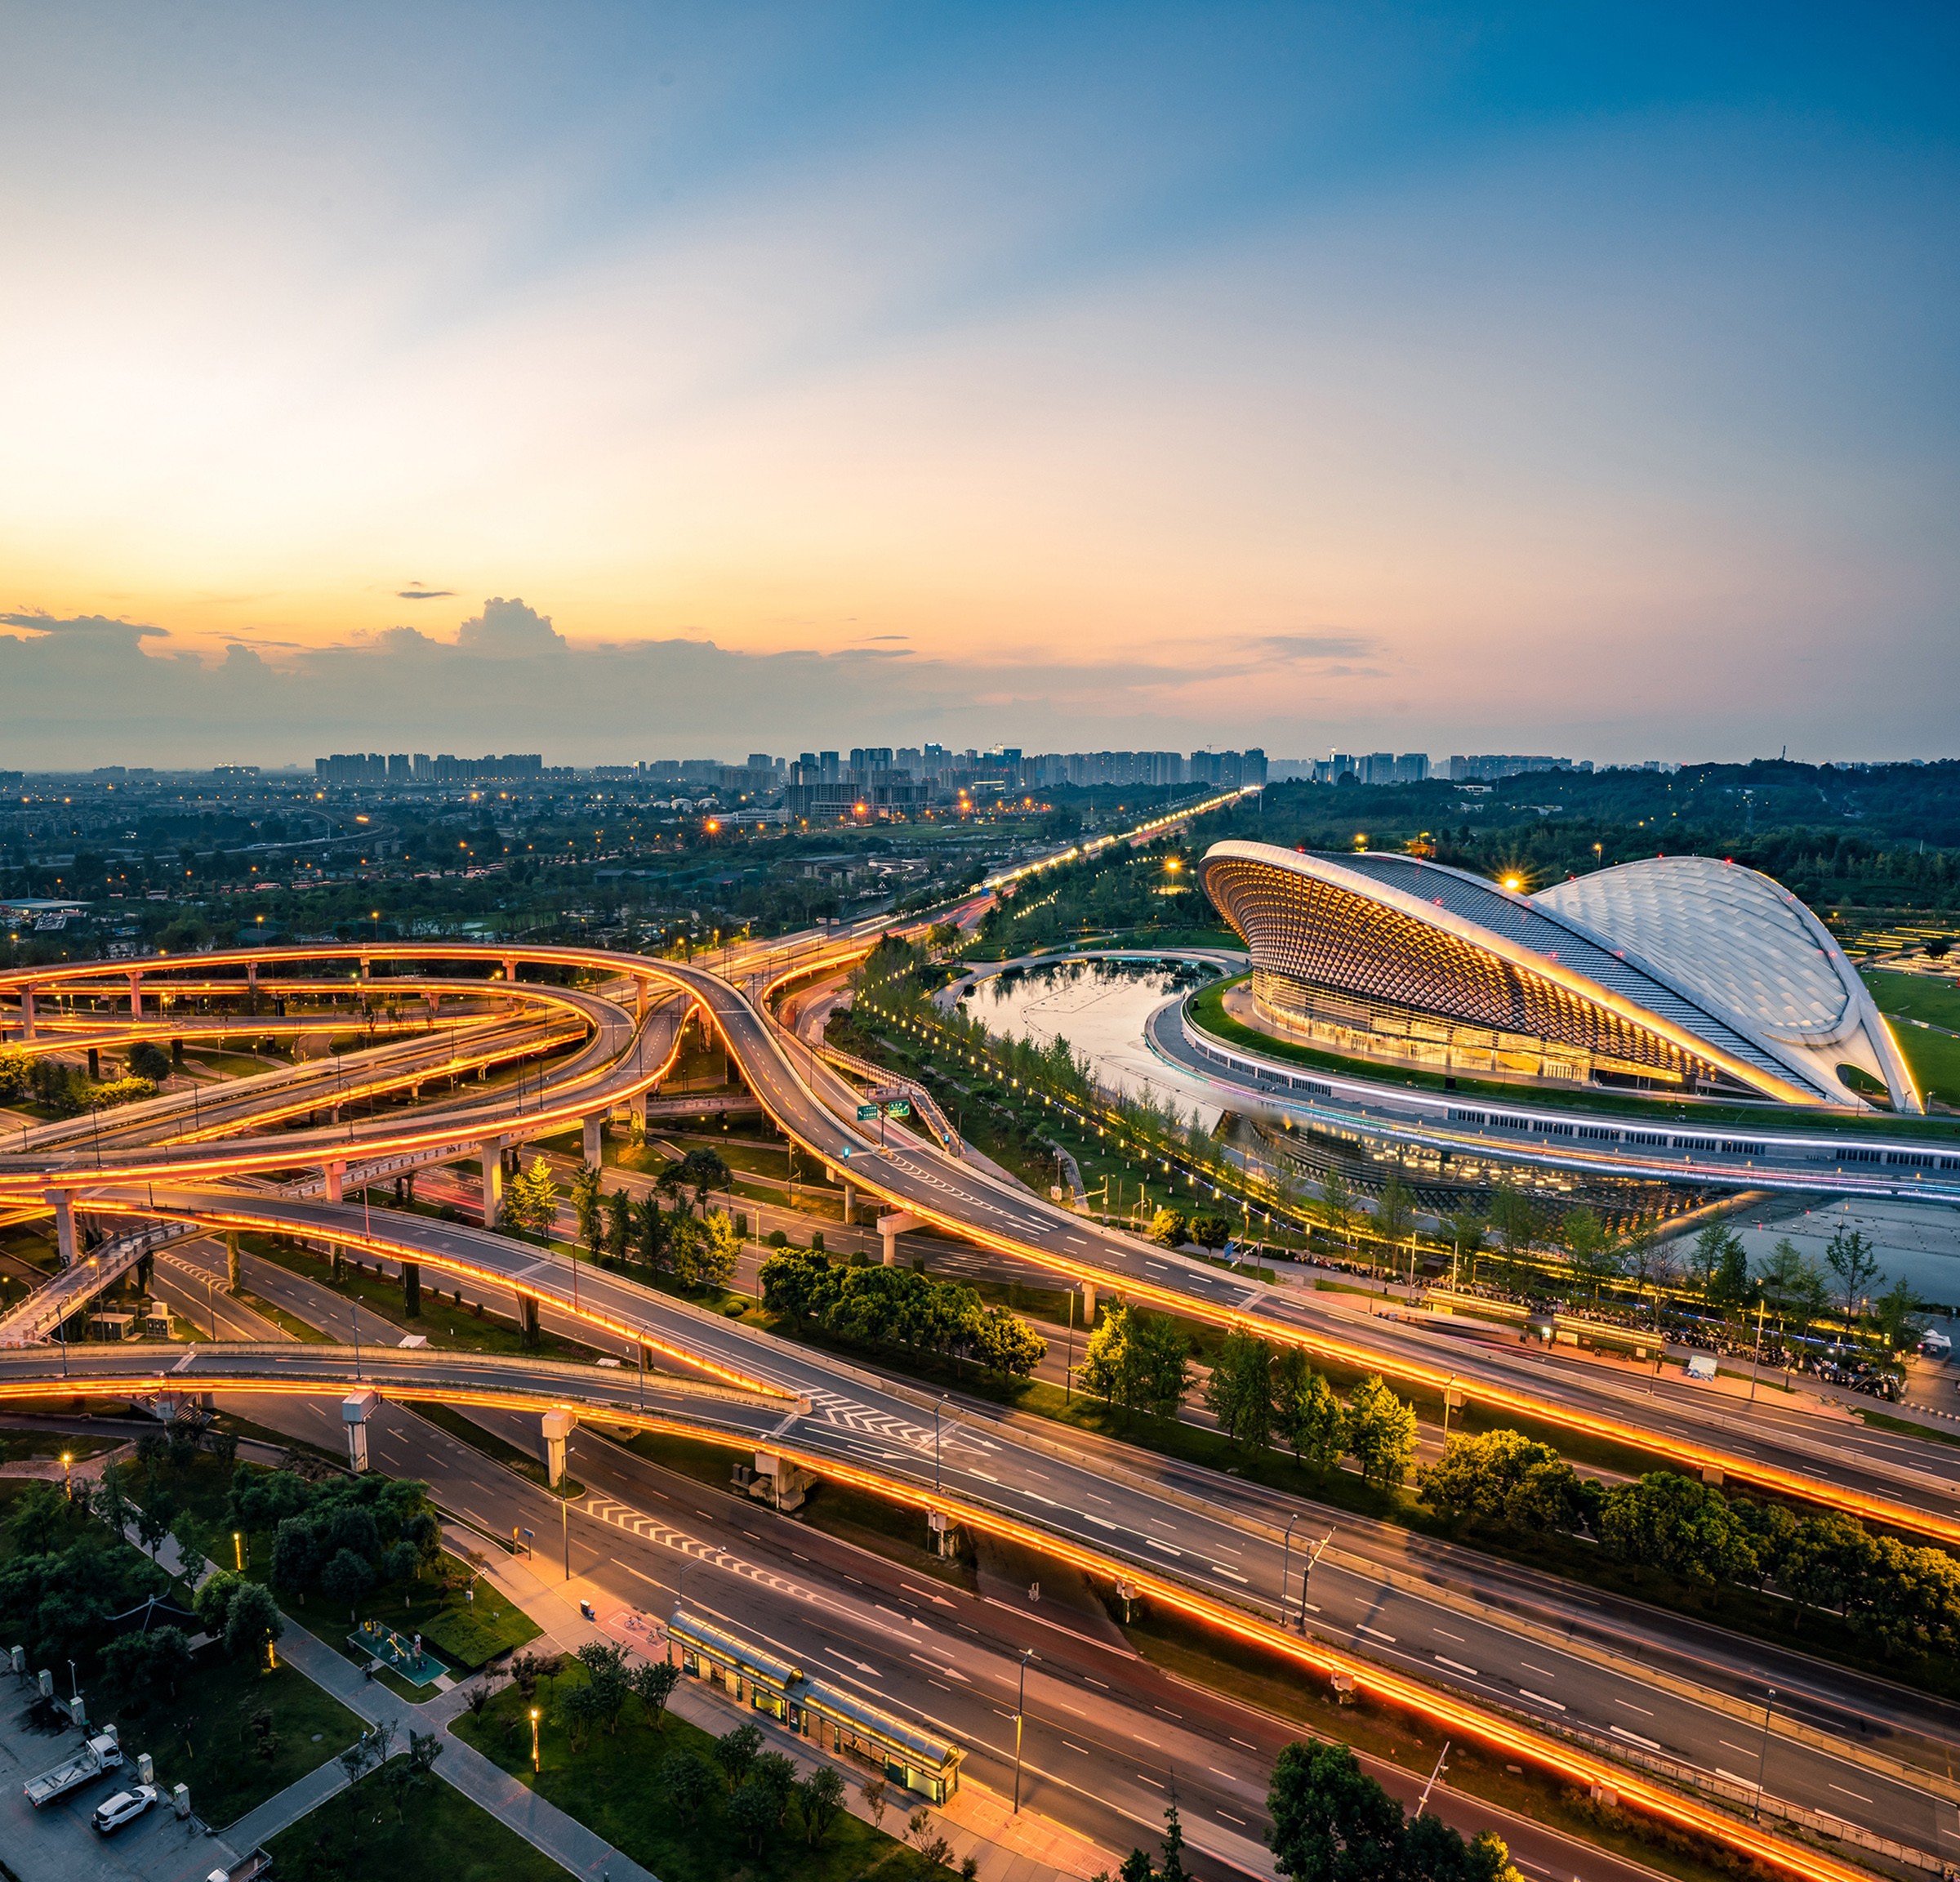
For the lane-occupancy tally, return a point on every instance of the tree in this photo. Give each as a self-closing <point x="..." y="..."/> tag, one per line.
<point x="687" y="1781"/>
<point x="1795" y="1284"/>
<point x="346" y="1577"/>
<point x="1850" y="1257"/>
<point x="654" y="1681"/>
<point x="531" y="1202"/>
<point x="1646" y="1259"/>
<point x="588" y="1204"/>
<point x="1394" y="1208"/>
<point x="147" y="1059"/>
<point x="144" y="1663"/>
<point x="709" y="1256"/>
<point x="606" y="1679"/>
<point x="195" y="1538"/>
<point x="1169" y="1228"/>
<point x="618" y="1233"/>
<point x="1314" y="1423"/>
<point x="1240" y="1392"/>
<point x="876" y="1800"/>
<point x="700" y="1171"/>
<point x="1210" y="1232"/>
<point x="1515" y="1218"/>
<point x="110" y="1502"/>
<point x="654" y="1233"/>
<point x="211" y="1603"/>
<point x="818" y="1799"/>
<point x="1465" y="1227"/>
<point x="1684" y="1528"/>
<point x="754" y="1812"/>
<point x="153" y="1519"/>
<point x="1593" y="1257"/>
<point x="1337" y="1206"/>
<point x="38" y="1518"/>
<point x="1332" y="1822"/>
<point x="1381" y="1431"/>
<point x="1006" y="1345"/>
<point x="1173" y="1845"/>
<point x="252" y="1620"/>
<point x="737" y="1751"/>
<point x="1161" y="1351"/>
<point x="1894" y="1314"/>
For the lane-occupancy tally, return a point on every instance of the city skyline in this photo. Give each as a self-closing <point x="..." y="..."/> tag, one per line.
<point x="1508" y="381"/>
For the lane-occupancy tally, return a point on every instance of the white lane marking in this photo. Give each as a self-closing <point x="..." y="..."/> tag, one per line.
<point x="1632" y="1707"/>
<point x="1242" y="1743"/>
<point x="1525" y="1693"/>
<point x="1842" y="1792"/>
<point x="1539" y="1670"/>
<point x="1448" y="1635"/>
<point x="1362" y="1627"/>
<point x="1632" y="1737"/>
<point x="1457" y="1665"/>
<point x="1164" y="1546"/>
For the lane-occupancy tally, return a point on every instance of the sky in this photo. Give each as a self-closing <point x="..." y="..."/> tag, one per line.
<point x="660" y="381"/>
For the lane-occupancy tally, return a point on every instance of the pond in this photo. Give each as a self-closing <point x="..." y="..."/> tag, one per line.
<point x="1099" y="1007"/>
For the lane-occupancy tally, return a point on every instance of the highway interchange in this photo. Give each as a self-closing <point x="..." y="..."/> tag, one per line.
<point x="855" y="1425"/>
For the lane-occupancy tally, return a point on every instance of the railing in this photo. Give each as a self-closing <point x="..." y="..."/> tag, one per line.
<point x="922" y="1100"/>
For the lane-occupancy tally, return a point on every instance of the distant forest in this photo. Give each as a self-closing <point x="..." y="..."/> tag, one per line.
<point x="1876" y="841"/>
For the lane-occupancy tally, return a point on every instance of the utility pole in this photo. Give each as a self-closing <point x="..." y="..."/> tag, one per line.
<point x="1027" y="1653"/>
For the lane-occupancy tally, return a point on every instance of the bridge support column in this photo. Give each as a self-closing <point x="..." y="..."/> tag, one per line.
<point x="367" y="967"/>
<point x="94" y="1061"/>
<point x="411" y="1288"/>
<point x="65" y="1225"/>
<point x="527" y="1319"/>
<point x="336" y="1175"/>
<point x="891" y="1227"/>
<point x="509" y="967"/>
<point x="234" y="1274"/>
<point x="433" y="1000"/>
<point x="1088" y="1303"/>
<point x="27" y="1012"/>
<point x="639" y="1112"/>
<point x="557" y="1426"/>
<point x="135" y="996"/>
<point x="355" y="1409"/>
<point x="640" y="1010"/>
<point x="850" y="1204"/>
<point x="492" y="1150"/>
<point x="589" y="1147"/>
<point x="777" y="1482"/>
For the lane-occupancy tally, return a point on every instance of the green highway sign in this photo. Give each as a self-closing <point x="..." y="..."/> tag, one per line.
<point x="902" y="1109"/>
<point x="865" y="1113"/>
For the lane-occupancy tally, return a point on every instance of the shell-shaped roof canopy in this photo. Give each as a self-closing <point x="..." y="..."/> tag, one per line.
<point x="1725" y="934"/>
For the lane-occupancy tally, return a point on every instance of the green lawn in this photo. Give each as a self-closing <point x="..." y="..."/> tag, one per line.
<point x="358" y="1836"/>
<point x="16" y="1446"/>
<point x="1934" y="1057"/>
<point x="204" y="1737"/>
<point x="609" y="1787"/>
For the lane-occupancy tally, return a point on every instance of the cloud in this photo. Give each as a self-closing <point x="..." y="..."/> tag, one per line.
<point x="1319" y="646"/>
<point x="421" y="593"/>
<point x="98" y="626"/>
<point x="508" y="631"/>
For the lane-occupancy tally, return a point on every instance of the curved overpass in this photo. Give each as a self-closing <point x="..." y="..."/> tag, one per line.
<point x="803" y="1097"/>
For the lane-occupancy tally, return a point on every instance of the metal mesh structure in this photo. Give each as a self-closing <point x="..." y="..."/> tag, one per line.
<point x="1392" y="962"/>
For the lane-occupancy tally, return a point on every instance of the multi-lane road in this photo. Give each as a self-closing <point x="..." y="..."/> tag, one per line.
<point x="1465" y="1661"/>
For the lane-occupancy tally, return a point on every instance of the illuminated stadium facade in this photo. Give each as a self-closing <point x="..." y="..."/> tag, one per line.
<point x="1679" y="975"/>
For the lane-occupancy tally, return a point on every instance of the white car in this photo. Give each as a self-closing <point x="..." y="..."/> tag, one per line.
<point x="110" y="1817"/>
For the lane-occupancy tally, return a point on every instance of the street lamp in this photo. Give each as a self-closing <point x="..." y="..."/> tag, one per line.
<point x="1286" y="1567"/>
<point x="68" y="1486"/>
<point x="238" y="1547"/>
<point x="535" y="1765"/>
<point x="1027" y="1653"/>
<point x="937" y="1410"/>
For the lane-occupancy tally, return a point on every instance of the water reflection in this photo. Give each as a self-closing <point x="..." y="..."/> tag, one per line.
<point x="1099" y="1007"/>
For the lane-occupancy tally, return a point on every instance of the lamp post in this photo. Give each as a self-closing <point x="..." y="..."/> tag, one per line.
<point x="1286" y="1568"/>
<point x="564" y="1517"/>
<point x="238" y="1547"/>
<point x="535" y="1765"/>
<point x="937" y="1410"/>
<point x="1027" y="1653"/>
<point x="67" y="1485"/>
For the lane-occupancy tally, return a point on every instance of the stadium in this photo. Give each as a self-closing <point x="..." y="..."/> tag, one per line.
<point x="1681" y="976"/>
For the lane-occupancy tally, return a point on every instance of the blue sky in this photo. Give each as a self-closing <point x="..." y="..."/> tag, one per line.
<point x="1557" y="378"/>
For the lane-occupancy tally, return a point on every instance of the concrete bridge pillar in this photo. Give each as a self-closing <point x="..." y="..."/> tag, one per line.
<point x="356" y="1408"/>
<point x="1088" y="1303"/>
<point x="411" y="1288"/>
<point x="589" y="1147"/>
<point x="509" y="967"/>
<point x="432" y="999"/>
<point x="557" y="1427"/>
<point x="891" y="1227"/>
<point x="491" y="1150"/>
<point x="639" y="1111"/>
<point x="135" y="996"/>
<point x="27" y="1012"/>
<point x="65" y="1225"/>
<point x="367" y="967"/>
<point x="527" y="1319"/>
<point x="640" y="1010"/>
<point x="336" y="1173"/>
